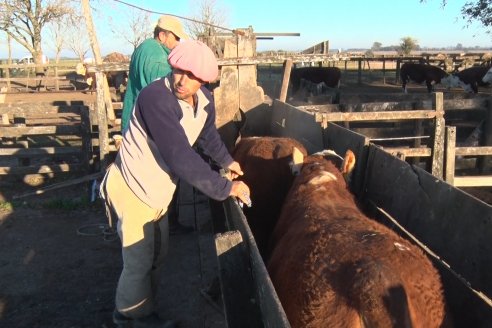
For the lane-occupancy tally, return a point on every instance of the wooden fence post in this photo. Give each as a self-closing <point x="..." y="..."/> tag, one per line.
<point x="384" y="70"/>
<point x="450" y="154"/>
<point x="102" y="123"/>
<point x="397" y="74"/>
<point x="86" y="129"/>
<point x="359" y="71"/>
<point x="285" y="80"/>
<point x="438" y="147"/>
<point x="486" y="140"/>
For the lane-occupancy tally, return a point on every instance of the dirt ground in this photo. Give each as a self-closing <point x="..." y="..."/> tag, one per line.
<point x="59" y="265"/>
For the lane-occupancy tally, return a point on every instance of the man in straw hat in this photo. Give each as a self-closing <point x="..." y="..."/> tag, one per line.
<point x="149" y="61"/>
<point x="171" y="114"/>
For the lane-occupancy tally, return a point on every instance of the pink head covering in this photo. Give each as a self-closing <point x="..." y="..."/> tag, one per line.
<point x="196" y="57"/>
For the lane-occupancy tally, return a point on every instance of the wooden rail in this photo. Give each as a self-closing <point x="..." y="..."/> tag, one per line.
<point x="44" y="138"/>
<point x="452" y="151"/>
<point x="436" y="115"/>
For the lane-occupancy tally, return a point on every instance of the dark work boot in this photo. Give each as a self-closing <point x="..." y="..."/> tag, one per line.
<point x="121" y="320"/>
<point x="153" y="321"/>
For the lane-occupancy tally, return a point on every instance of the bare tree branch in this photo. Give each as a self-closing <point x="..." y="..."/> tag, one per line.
<point x="137" y="27"/>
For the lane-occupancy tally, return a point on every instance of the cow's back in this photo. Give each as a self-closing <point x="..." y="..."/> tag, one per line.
<point x="332" y="266"/>
<point x="328" y="75"/>
<point x="473" y="74"/>
<point x="265" y="163"/>
<point x="421" y="72"/>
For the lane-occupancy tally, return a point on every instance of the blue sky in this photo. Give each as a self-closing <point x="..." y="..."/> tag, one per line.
<point x="346" y="24"/>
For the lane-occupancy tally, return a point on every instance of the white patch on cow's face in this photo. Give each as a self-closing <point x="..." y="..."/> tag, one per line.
<point x="401" y="247"/>
<point x="296" y="161"/>
<point x="323" y="177"/>
<point x="467" y="87"/>
<point x="328" y="152"/>
<point x="487" y="78"/>
<point x="451" y="81"/>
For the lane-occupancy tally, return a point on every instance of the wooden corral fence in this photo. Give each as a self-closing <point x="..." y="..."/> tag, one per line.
<point x="391" y="113"/>
<point x="44" y="138"/>
<point x="419" y="129"/>
<point x="54" y="77"/>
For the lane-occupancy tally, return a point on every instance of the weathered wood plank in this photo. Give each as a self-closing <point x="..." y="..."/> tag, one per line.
<point x="473" y="181"/>
<point x="27" y="109"/>
<point x="285" y="80"/>
<point x="409" y="152"/>
<point x="473" y="151"/>
<point x="438" y="146"/>
<point x="55" y="168"/>
<point x="450" y="154"/>
<point x="39" y="151"/>
<point x="18" y="131"/>
<point x="34" y="78"/>
<point x="375" y="116"/>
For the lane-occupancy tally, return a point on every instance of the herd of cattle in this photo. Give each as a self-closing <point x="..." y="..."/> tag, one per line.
<point x="330" y="264"/>
<point x="468" y="79"/>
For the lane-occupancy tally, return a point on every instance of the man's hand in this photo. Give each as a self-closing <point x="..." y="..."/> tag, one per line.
<point x="241" y="190"/>
<point x="235" y="169"/>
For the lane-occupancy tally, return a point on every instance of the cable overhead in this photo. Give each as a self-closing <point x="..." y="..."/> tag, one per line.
<point x="185" y="18"/>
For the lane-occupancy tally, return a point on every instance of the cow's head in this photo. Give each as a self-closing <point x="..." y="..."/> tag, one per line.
<point x="487" y="78"/>
<point x="346" y="163"/>
<point x="296" y="161"/>
<point x="452" y="81"/>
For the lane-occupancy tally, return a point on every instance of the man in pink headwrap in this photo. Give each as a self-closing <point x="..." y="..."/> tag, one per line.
<point x="170" y="116"/>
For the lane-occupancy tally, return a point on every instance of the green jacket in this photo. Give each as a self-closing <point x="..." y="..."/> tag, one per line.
<point x="148" y="63"/>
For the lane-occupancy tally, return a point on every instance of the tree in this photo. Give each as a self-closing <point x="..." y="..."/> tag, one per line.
<point x="407" y="45"/>
<point x="78" y="40"/>
<point x="57" y="32"/>
<point x="376" y="46"/>
<point x="478" y="10"/>
<point x="136" y="29"/>
<point x="210" y="12"/>
<point x="24" y="20"/>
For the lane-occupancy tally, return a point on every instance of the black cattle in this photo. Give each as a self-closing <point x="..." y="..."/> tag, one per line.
<point x="469" y="79"/>
<point x="420" y="73"/>
<point x="330" y="76"/>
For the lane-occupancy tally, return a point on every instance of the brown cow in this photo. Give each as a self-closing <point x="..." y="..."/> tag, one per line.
<point x="334" y="267"/>
<point x="265" y="162"/>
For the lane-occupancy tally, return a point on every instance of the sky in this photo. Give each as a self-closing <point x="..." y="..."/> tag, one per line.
<point x="345" y="24"/>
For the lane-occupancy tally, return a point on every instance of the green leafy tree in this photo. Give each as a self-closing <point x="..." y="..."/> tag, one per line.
<point x="478" y="10"/>
<point x="376" y="46"/>
<point x="407" y="45"/>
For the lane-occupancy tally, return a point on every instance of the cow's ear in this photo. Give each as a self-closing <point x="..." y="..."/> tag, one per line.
<point x="348" y="163"/>
<point x="296" y="161"/>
